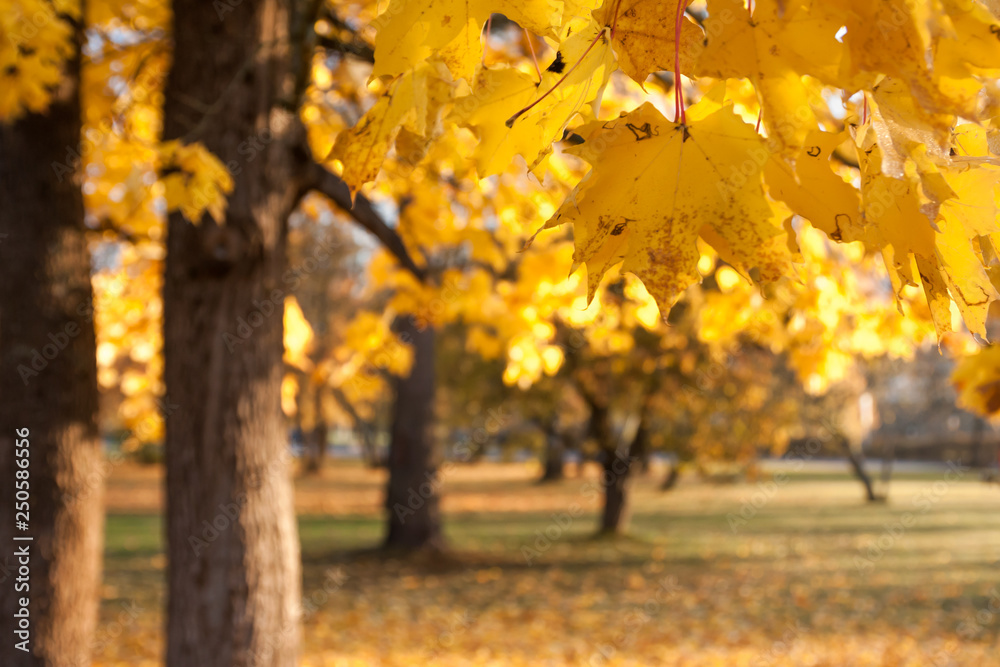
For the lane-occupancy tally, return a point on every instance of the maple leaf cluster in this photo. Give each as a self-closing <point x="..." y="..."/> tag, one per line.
<point x="875" y="122"/>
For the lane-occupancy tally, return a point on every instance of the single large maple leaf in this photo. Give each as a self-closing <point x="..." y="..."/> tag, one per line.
<point x="656" y="186"/>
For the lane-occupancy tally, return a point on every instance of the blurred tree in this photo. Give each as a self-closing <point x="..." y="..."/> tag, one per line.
<point x="234" y="596"/>
<point x="231" y="127"/>
<point x="412" y="496"/>
<point x="48" y="367"/>
<point x="329" y="297"/>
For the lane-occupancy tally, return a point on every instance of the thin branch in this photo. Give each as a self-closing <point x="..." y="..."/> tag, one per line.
<point x="107" y="226"/>
<point x="509" y="273"/>
<point x="327" y="183"/>
<point x="304" y="41"/>
<point x="356" y="48"/>
<point x="361" y="424"/>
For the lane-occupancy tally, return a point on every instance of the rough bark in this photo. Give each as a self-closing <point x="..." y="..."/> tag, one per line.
<point x="412" y="494"/>
<point x="233" y="577"/>
<point x="48" y="376"/>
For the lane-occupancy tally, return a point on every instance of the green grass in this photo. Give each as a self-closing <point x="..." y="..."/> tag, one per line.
<point x="795" y="560"/>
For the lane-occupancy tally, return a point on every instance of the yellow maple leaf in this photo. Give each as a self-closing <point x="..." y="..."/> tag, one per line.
<point x="513" y="114"/>
<point x="774" y="47"/>
<point x="195" y="180"/>
<point x="645" y="41"/>
<point x="934" y="233"/>
<point x="412" y="31"/>
<point x="892" y="206"/>
<point x="968" y="221"/>
<point x="653" y="187"/>
<point x="977" y="379"/>
<point x="364" y="147"/>
<point x="909" y="40"/>
<point x="499" y="93"/>
<point x="814" y="191"/>
<point x="971" y="46"/>
<point x="36" y="41"/>
<point x="413" y="103"/>
<point x="902" y="125"/>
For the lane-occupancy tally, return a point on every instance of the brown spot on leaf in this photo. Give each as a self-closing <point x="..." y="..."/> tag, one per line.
<point x="646" y="131"/>
<point x="838" y="220"/>
<point x="558" y="65"/>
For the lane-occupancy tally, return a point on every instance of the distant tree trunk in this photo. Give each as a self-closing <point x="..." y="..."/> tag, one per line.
<point x="233" y="577"/>
<point x="857" y="461"/>
<point x="318" y="438"/>
<point x="48" y="376"/>
<point x="412" y="494"/>
<point x="555" y="453"/>
<point x="370" y="453"/>
<point x="614" y="515"/>
<point x="641" y="449"/>
<point x="670" y="480"/>
<point x="615" y="469"/>
<point x="363" y="429"/>
<point x="857" y="421"/>
<point x="618" y="466"/>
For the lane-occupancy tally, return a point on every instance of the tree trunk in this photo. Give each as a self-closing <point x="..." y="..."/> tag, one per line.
<point x="412" y="494"/>
<point x="371" y="455"/>
<point x="618" y="466"/>
<point x="317" y="438"/>
<point x="614" y="516"/>
<point x="364" y="431"/>
<point x="641" y="449"/>
<point x="555" y="453"/>
<point x="856" y="459"/>
<point x="317" y="455"/>
<point x="48" y="376"/>
<point x="233" y="577"/>
<point x="670" y="481"/>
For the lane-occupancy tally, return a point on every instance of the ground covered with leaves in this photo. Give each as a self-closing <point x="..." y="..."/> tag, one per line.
<point x="761" y="573"/>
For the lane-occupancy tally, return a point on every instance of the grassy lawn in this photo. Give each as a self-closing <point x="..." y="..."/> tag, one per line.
<point x="802" y="573"/>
